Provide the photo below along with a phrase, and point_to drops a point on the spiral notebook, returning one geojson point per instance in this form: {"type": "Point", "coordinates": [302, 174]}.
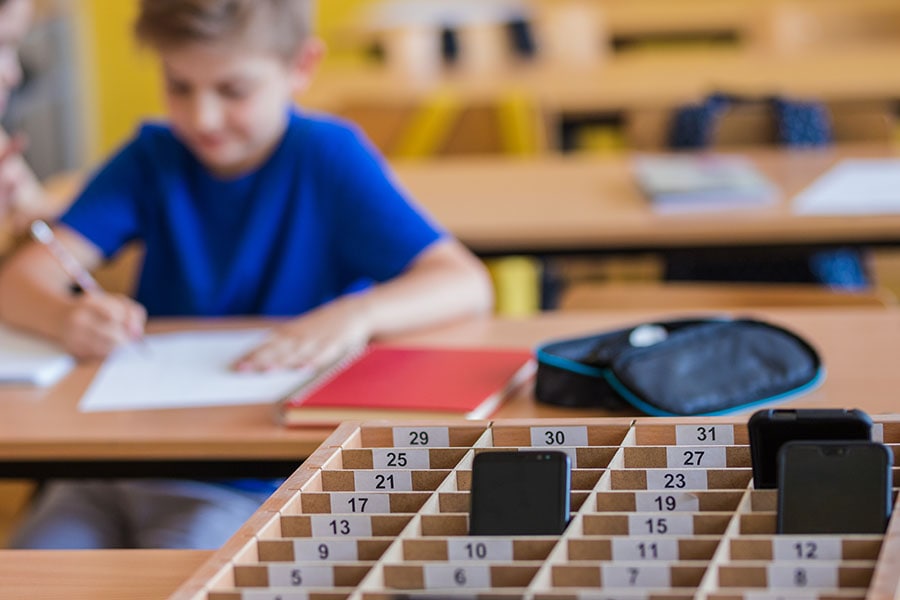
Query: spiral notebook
{"type": "Point", "coordinates": [390, 382]}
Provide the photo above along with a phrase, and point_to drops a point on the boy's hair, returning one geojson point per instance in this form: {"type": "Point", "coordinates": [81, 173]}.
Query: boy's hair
{"type": "Point", "coordinates": [277, 25]}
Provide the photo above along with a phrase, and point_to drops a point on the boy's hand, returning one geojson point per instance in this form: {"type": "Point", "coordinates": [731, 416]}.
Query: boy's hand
{"type": "Point", "coordinates": [98, 322]}
{"type": "Point", "coordinates": [315, 339]}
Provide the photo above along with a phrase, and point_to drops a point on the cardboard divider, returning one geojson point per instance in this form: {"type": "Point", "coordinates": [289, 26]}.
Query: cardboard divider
{"type": "Point", "coordinates": [381, 525]}
{"type": "Point", "coordinates": [658, 457]}
{"type": "Point", "coordinates": [691, 431]}
{"type": "Point", "coordinates": [591, 575]}
{"type": "Point", "coordinates": [435, 549]}
{"type": "Point", "coordinates": [342, 575]}
{"type": "Point", "coordinates": [668, 501]}
{"type": "Point", "coordinates": [337, 502]}
{"type": "Point", "coordinates": [458, 502]}
{"type": "Point", "coordinates": [282, 550]}
{"type": "Point", "coordinates": [459, 435]}
{"type": "Point", "coordinates": [345, 481]}
{"type": "Point", "coordinates": [518, 434]}
{"type": "Point", "coordinates": [715, 479]}
{"type": "Point", "coordinates": [700, 547]}
{"type": "Point", "coordinates": [365, 458]}
{"type": "Point", "coordinates": [758, 576]}
{"type": "Point", "coordinates": [618, 524]}
{"type": "Point", "coordinates": [413, 576]}
{"type": "Point", "coordinates": [709, 535]}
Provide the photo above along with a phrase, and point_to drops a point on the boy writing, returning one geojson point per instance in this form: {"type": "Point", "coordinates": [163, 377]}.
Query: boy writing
{"type": "Point", "coordinates": [245, 206]}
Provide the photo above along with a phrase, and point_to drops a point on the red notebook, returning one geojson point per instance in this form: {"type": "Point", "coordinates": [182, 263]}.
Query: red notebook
{"type": "Point", "coordinates": [387, 382]}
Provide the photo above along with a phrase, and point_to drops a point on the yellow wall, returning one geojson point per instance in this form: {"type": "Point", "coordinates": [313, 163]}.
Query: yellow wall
{"type": "Point", "coordinates": [126, 87]}
{"type": "Point", "coordinates": [125, 81]}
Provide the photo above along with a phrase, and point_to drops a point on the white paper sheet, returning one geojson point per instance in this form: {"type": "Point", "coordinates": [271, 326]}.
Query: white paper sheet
{"type": "Point", "coordinates": [854, 187]}
{"type": "Point", "coordinates": [30, 360]}
{"type": "Point", "coordinates": [186, 369]}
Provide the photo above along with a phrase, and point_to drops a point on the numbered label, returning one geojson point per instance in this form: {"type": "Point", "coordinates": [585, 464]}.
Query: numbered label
{"type": "Point", "coordinates": [650, 524]}
{"type": "Point", "coordinates": [780, 595]}
{"type": "Point", "coordinates": [293, 575]}
{"type": "Point", "coordinates": [617, 596]}
{"type": "Point", "coordinates": [263, 594]}
{"type": "Point", "coordinates": [628, 549]}
{"type": "Point", "coordinates": [401, 458]}
{"type": "Point", "coordinates": [463, 549]}
{"type": "Point", "coordinates": [353, 502]}
{"type": "Point", "coordinates": [704, 435]}
{"type": "Point", "coordinates": [418, 437]}
{"type": "Point", "coordinates": [332, 550]}
{"type": "Point", "coordinates": [452, 576]}
{"type": "Point", "coordinates": [698, 457]}
{"type": "Point", "coordinates": [687, 479]}
{"type": "Point", "coordinates": [341, 525]}
{"type": "Point", "coordinates": [641, 576]}
{"type": "Point", "coordinates": [803, 576]}
{"type": "Point", "coordinates": [666, 501]}
{"type": "Point", "coordinates": [804, 548]}
{"type": "Point", "coordinates": [549, 437]}
{"type": "Point", "coordinates": [387, 481]}
{"type": "Point", "coordinates": [878, 432]}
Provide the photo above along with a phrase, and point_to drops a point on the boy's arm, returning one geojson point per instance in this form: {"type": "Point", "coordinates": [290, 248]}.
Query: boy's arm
{"type": "Point", "coordinates": [35, 294]}
{"type": "Point", "coordinates": [443, 283]}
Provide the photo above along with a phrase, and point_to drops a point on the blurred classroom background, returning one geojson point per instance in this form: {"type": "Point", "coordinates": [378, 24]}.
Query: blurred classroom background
{"type": "Point", "coordinates": [429, 79]}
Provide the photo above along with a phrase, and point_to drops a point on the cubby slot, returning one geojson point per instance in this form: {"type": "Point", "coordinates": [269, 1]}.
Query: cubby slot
{"type": "Point", "coordinates": [655, 524]}
{"type": "Point", "coordinates": [363, 502]}
{"type": "Point", "coordinates": [300, 575]}
{"type": "Point", "coordinates": [342, 525]}
{"type": "Point", "coordinates": [804, 576]}
{"type": "Point", "coordinates": [668, 501]}
{"type": "Point", "coordinates": [805, 547]}
{"type": "Point", "coordinates": [550, 434]}
{"type": "Point", "coordinates": [627, 575]}
{"type": "Point", "coordinates": [421, 437]}
{"type": "Point", "coordinates": [679, 457]}
{"type": "Point", "coordinates": [605, 548]}
{"type": "Point", "coordinates": [296, 550]}
{"type": "Point", "coordinates": [387, 480]}
{"type": "Point", "coordinates": [465, 548]}
{"type": "Point", "coordinates": [458, 576]}
{"type": "Point", "coordinates": [679, 479]}
{"type": "Point", "coordinates": [690, 432]}
{"type": "Point", "coordinates": [401, 458]}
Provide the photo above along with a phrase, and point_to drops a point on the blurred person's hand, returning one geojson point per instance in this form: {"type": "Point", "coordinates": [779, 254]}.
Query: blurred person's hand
{"type": "Point", "coordinates": [14, 176]}
{"type": "Point", "coordinates": [315, 339]}
{"type": "Point", "coordinates": [98, 322]}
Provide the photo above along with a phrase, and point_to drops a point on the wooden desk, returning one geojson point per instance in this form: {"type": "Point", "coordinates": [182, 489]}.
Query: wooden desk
{"type": "Point", "coordinates": [96, 574]}
{"type": "Point", "coordinates": [43, 432]}
{"type": "Point", "coordinates": [576, 204]}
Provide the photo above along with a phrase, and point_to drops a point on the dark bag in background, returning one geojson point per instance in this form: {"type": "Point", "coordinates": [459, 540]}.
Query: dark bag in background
{"type": "Point", "coordinates": [680, 367]}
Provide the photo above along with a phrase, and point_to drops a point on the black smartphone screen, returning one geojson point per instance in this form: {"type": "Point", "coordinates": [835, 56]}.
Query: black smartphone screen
{"type": "Point", "coordinates": [519, 493]}
{"type": "Point", "coordinates": [770, 429]}
{"type": "Point", "coordinates": [834, 487]}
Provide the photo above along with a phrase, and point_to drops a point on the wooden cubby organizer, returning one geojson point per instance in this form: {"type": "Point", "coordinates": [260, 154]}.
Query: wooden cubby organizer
{"type": "Point", "coordinates": [662, 509]}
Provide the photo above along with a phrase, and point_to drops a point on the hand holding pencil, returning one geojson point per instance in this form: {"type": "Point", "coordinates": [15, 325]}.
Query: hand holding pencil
{"type": "Point", "coordinates": [96, 322]}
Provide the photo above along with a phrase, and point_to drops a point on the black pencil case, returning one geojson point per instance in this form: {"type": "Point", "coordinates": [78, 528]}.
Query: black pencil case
{"type": "Point", "coordinates": [680, 367]}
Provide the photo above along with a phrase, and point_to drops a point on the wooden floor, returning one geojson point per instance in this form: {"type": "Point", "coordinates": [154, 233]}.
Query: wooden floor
{"type": "Point", "coordinates": [14, 496]}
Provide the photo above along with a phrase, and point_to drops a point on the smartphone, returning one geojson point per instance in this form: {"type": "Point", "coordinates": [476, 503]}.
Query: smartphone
{"type": "Point", "coordinates": [770, 429]}
{"type": "Point", "coordinates": [834, 487]}
{"type": "Point", "coordinates": [520, 493]}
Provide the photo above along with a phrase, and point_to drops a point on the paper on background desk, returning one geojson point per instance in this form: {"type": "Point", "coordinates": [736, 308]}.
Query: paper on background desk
{"type": "Point", "coordinates": [186, 369]}
{"type": "Point", "coordinates": [854, 187]}
{"type": "Point", "coordinates": [29, 360]}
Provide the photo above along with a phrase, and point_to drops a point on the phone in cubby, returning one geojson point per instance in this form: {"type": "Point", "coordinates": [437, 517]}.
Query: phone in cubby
{"type": "Point", "coordinates": [834, 487]}
{"type": "Point", "coordinates": [520, 493]}
{"type": "Point", "coordinates": [772, 428]}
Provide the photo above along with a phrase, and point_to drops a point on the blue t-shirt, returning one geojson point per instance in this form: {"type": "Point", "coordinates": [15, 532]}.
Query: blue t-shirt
{"type": "Point", "coordinates": [320, 217]}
